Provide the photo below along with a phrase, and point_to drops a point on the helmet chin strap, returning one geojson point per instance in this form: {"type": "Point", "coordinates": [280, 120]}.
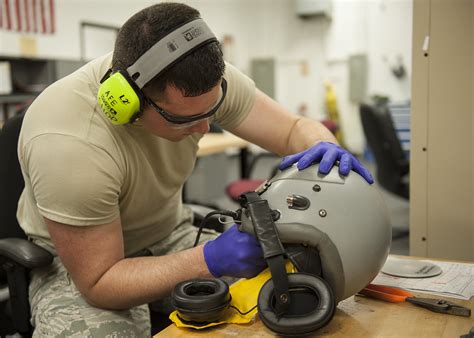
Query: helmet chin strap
{"type": "Point", "coordinates": [258, 210]}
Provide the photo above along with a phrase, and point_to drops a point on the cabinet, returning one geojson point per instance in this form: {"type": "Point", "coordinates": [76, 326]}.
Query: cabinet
{"type": "Point", "coordinates": [29, 77]}
{"type": "Point", "coordinates": [442, 148]}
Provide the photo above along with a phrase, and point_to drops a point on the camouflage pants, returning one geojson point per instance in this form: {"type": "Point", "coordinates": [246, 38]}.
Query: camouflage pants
{"type": "Point", "coordinates": [59, 310]}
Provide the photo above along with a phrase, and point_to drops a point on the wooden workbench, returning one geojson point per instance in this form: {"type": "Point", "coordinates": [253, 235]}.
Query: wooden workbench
{"type": "Point", "coordinates": [359, 316]}
{"type": "Point", "coordinates": [212, 143]}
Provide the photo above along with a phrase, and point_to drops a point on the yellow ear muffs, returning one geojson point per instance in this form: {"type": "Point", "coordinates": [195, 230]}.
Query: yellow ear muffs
{"type": "Point", "coordinates": [118, 99]}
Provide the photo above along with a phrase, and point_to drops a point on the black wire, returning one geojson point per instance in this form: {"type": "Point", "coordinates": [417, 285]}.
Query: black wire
{"type": "Point", "coordinates": [243, 313]}
{"type": "Point", "coordinates": [232, 214]}
{"type": "Point", "coordinates": [295, 263]}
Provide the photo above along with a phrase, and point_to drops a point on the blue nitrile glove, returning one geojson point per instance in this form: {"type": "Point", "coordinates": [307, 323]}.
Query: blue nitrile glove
{"type": "Point", "coordinates": [234, 253]}
{"type": "Point", "coordinates": [327, 154]}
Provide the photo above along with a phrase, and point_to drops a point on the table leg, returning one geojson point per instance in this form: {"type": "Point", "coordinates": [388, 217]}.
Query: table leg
{"type": "Point", "coordinates": [183, 193]}
{"type": "Point", "coordinates": [244, 169]}
{"type": "Point", "coordinates": [5, 112]}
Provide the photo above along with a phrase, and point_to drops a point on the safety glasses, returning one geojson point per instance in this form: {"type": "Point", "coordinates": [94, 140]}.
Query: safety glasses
{"type": "Point", "coordinates": [182, 121]}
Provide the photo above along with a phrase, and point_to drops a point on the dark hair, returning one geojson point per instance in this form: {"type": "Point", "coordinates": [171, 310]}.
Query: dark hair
{"type": "Point", "coordinates": [195, 74]}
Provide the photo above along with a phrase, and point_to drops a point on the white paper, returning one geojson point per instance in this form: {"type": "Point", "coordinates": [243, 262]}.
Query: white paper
{"type": "Point", "coordinates": [456, 280]}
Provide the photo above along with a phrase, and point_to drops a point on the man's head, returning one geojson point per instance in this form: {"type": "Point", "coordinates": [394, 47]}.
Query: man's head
{"type": "Point", "coordinates": [191, 86]}
{"type": "Point", "coordinates": [196, 74]}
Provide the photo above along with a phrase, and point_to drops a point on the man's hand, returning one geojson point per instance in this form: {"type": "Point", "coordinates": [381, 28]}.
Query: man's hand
{"type": "Point", "coordinates": [234, 253]}
{"type": "Point", "coordinates": [327, 154]}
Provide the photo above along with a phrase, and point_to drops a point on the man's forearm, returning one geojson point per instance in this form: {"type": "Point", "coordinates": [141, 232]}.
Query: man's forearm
{"type": "Point", "coordinates": [134, 281]}
{"type": "Point", "coordinates": [306, 133]}
{"type": "Point", "coordinates": [274, 128]}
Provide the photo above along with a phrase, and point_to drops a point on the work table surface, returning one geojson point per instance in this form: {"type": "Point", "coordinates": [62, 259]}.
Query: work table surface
{"type": "Point", "coordinates": [359, 316]}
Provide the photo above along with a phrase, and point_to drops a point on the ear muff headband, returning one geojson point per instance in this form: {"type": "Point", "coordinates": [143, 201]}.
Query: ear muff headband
{"type": "Point", "coordinates": [170, 49]}
{"type": "Point", "coordinates": [120, 95]}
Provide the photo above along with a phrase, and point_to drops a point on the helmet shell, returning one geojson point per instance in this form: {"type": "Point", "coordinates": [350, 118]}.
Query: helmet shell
{"type": "Point", "coordinates": [346, 220]}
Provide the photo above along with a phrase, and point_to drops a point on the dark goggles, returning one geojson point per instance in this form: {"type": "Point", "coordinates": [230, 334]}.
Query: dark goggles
{"type": "Point", "coordinates": [187, 119]}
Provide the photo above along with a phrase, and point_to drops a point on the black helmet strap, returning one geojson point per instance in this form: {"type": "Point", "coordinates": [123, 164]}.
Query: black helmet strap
{"type": "Point", "coordinates": [260, 214]}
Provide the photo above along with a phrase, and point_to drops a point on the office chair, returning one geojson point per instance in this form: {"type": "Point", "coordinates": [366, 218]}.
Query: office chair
{"type": "Point", "coordinates": [392, 166]}
{"type": "Point", "coordinates": [18, 256]}
{"type": "Point", "coordinates": [236, 188]}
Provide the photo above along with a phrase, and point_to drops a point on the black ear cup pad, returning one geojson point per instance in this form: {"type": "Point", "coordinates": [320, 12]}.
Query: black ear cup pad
{"type": "Point", "coordinates": [312, 305]}
{"type": "Point", "coordinates": [201, 300]}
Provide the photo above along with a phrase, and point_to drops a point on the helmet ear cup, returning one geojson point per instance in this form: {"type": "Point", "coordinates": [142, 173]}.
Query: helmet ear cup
{"type": "Point", "coordinates": [312, 305]}
{"type": "Point", "coordinates": [201, 300]}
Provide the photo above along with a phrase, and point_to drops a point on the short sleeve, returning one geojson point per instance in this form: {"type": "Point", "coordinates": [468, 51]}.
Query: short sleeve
{"type": "Point", "coordinates": [73, 181]}
{"type": "Point", "coordinates": [239, 100]}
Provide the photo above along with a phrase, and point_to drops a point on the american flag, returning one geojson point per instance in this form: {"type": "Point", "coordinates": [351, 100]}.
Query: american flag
{"type": "Point", "coordinates": [28, 16]}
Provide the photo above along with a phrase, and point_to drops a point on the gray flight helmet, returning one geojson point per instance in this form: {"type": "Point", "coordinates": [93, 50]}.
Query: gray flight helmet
{"type": "Point", "coordinates": [344, 218]}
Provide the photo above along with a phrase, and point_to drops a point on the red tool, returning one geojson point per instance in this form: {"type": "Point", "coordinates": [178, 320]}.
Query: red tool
{"type": "Point", "coordinates": [394, 295]}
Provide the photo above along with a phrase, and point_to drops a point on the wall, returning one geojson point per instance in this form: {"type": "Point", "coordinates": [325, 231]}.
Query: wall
{"type": "Point", "coordinates": [381, 30]}
{"type": "Point", "coordinates": [65, 43]}
{"type": "Point", "coordinates": [307, 52]}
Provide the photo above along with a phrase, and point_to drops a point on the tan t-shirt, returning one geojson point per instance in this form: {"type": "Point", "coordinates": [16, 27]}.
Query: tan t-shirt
{"type": "Point", "coordinates": [81, 170]}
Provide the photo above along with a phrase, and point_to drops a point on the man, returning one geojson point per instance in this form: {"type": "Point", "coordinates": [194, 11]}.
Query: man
{"type": "Point", "coordinates": [106, 199]}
